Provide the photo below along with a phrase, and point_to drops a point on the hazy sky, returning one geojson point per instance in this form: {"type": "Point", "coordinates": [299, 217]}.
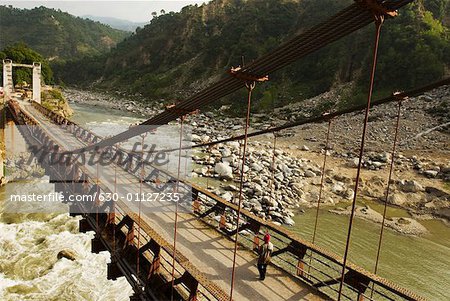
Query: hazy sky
{"type": "Point", "coordinates": [136, 11]}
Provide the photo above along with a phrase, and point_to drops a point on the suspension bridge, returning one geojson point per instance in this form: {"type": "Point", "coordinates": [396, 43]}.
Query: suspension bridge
{"type": "Point", "coordinates": [187, 253]}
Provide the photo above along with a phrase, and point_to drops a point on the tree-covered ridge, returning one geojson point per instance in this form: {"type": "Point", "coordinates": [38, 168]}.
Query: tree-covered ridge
{"type": "Point", "coordinates": [183, 52]}
{"type": "Point", "coordinates": [56, 34]}
{"type": "Point", "coordinates": [22, 54]}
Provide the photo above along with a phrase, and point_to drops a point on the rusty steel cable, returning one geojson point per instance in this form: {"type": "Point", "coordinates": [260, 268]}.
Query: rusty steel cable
{"type": "Point", "coordinates": [378, 24]}
{"type": "Point", "coordinates": [352, 17]}
{"type": "Point", "coordinates": [272, 186]}
{"type": "Point", "coordinates": [185, 165]}
{"type": "Point", "coordinates": [97, 200]}
{"type": "Point", "coordinates": [391, 169]}
{"type": "Point", "coordinates": [348, 20]}
{"type": "Point", "coordinates": [114, 210]}
{"type": "Point", "coordinates": [250, 87]}
{"type": "Point", "coordinates": [174, 253]}
{"type": "Point", "coordinates": [316, 221]}
{"type": "Point", "coordinates": [207, 173]}
{"type": "Point", "coordinates": [141, 180]}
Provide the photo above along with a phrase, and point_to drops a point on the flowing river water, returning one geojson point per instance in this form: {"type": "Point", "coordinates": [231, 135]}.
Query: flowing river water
{"type": "Point", "coordinates": [30, 270]}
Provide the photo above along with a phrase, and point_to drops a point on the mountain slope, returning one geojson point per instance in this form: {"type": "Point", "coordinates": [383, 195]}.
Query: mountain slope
{"type": "Point", "coordinates": [183, 52]}
{"type": "Point", "coordinates": [55, 34]}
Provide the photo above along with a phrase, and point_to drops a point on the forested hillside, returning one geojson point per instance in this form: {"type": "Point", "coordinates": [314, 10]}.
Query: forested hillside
{"type": "Point", "coordinates": [178, 53]}
{"type": "Point", "coordinates": [21, 54]}
{"type": "Point", "coordinates": [55, 34]}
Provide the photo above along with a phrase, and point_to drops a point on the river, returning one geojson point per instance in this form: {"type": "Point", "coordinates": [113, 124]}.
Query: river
{"type": "Point", "coordinates": [29, 269]}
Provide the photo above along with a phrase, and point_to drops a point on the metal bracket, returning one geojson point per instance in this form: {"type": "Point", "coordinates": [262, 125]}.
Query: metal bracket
{"type": "Point", "coordinates": [377, 9]}
{"type": "Point", "coordinates": [399, 96]}
{"type": "Point", "coordinates": [246, 76]}
{"type": "Point", "coordinates": [181, 111]}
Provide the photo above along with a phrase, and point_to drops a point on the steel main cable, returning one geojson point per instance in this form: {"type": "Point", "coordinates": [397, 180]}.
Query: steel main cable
{"type": "Point", "coordinates": [348, 20]}
{"type": "Point", "coordinates": [353, 10]}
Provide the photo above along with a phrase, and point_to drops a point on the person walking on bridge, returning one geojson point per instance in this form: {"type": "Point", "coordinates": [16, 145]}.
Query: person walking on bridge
{"type": "Point", "coordinates": [265, 251]}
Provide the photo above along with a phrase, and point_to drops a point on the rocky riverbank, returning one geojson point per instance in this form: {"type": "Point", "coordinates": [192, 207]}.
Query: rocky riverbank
{"type": "Point", "coordinates": [402, 225]}
{"type": "Point", "coordinates": [53, 99]}
{"type": "Point", "coordinates": [116, 100]}
{"type": "Point", "coordinates": [281, 181]}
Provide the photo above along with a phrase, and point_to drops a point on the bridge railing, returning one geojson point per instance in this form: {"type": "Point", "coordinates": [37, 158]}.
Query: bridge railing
{"type": "Point", "coordinates": [308, 262]}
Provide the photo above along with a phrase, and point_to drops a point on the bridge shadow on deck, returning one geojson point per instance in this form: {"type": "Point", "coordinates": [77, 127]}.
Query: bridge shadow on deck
{"type": "Point", "coordinates": [212, 253]}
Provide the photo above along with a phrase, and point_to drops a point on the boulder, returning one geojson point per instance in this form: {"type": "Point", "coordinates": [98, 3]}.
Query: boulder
{"type": "Point", "coordinates": [231, 187]}
{"type": "Point", "coordinates": [233, 144]}
{"type": "Point", "coordinates": [230, 159]}
{"type": "Point", "coordinates": [349, 194]}
{"type": "Point", "coordinates": [255, 205]}
{"type": "Point", "coordinates": [410, 186]}
{"type": "Point", "coordinates": [258, 190]}
{"type": "Point", "coordinates": [338, 188]}
{"type": "Point", "coordinates": [268, 201]}
{"type": "Point", "coordinates": [288, 221]}
{"type": "Point", "coordinates": [377, 164]}
{"type": "Point", "coordinates": [225, 152]}
{"type": "Point", "coordinates": [309, 174]}
{"type": "Point", "coordinates": [196, 138]}
{"type": "Point", "coordinates": [396, 199]}
{"type": "Point", "coordinates": [205, 138]}
{"type": "Point", "coordinates": [276, 214]}
{"type": "Point", "coordinates": [279, 176]}
{"type": "Point", "coordinates": [256, 167]}
{"type": "Point", "coordinates": [297, 188]}
{"type": "Point", "coordinates": [353, 163]}
{"type": "Point", "coordinates": [227, 196]}
{"type": "Point", "coordinates": [224, 170]}
{"type": "Point", "coordinates": [431, 173]}
{"type": "Point", "coordinates": [68, 254]}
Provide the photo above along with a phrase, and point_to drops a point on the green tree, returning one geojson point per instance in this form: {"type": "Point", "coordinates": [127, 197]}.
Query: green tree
{"type": "Point", "coordinates": [22, 54]}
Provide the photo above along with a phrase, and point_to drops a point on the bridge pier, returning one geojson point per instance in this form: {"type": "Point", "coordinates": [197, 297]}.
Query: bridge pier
{"type": "Point", "coordinates": [97, 245]}
{"type": "Point", "coordinates": [113, 270]}
{"type": "Point", "coordinates": [8, 85]}
{"type": "Point", "coordinates": [85, 226]}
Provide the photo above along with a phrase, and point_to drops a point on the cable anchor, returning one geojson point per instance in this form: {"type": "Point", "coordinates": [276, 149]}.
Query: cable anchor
{"type": "Point", "coordinates": [249, 78]}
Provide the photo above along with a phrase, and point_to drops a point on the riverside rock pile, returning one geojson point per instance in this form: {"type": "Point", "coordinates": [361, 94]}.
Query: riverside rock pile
{"type": "Point", "coordinates": [275, 193]}
{"type": "Point", "coordinates": [117, 100]}
{"type": "Point", "coordinates": [271, 189]}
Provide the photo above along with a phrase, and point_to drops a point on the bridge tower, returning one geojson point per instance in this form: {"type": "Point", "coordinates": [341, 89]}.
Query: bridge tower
{"type": "Point", "coordinates": [37, 82]}
{"type": "Point", "coordinates": [8, 85]}
{"type": "Point", "coordinates": [7, 78]}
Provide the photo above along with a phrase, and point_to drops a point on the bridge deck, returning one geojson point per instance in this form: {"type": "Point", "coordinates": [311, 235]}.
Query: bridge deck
{"type": "Point", "coordinates": [207, 249]}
